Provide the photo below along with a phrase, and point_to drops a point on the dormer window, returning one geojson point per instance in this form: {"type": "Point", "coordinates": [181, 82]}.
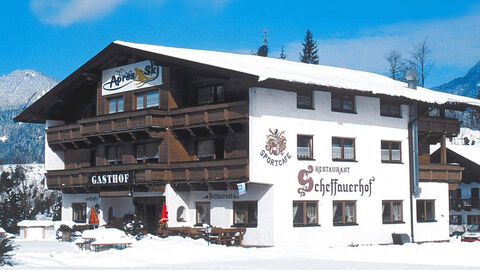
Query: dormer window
{"type": "Point", "coordinates": [211, 94]}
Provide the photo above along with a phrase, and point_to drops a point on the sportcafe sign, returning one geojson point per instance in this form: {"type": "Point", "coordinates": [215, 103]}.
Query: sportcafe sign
{"type": "Point", "coordinates": [111, 179]}
{"type": "Point", "coordinates": [275, 152]}
{"type": "Point", "coordinates": [131, 77]}
{"type": "Point", "coordinates": [334, 185]}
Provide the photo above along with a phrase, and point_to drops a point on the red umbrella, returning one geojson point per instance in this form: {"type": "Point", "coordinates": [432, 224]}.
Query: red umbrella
{"type": "Point", "coordinates": [164, 217]}
{"type": "Point", "coordinates": [93, 219]}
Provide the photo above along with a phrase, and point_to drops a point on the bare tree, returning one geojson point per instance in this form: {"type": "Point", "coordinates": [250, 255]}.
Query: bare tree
{"type": "Point", "coordinates": [422, 60]}
{"type": "Point", "coordinates": [395, 64]}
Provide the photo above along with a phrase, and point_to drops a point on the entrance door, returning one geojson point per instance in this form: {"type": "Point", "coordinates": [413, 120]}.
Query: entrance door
{"type": "Point", "coordinates": [149, 210]}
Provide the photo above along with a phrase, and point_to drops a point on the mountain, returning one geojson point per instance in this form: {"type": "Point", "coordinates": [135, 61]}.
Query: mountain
{"type": "Point", "coordinates": [21, 142]}
{"type": "Point", "coordinates": [467, 85]}
{"type": "Point", "coordinates": [464, 86]}
{"type": "Point", "coordinates": [20, 86]}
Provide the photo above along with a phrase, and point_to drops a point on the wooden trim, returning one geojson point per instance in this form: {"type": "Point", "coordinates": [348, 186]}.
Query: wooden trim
{"type": "Point", "coordinates": [392, 219]}
{"type": "Point", "coordinates": [305, 222]}
{"type": "Point", "coordinates": [343, 203]}
{"type": "Point", "coordinates": [246, 203]}
{"type": "Point", "coordinates": [390, 151]}
{"type": "Point", "coordinates": [342, 145]}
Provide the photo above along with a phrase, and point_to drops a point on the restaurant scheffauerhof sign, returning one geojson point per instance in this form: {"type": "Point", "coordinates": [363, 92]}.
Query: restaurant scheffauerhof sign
{"type": "Point", "coordinates": [131, 77]}
{"type": "Point", "coordinates": [275, 152]}
{"type": "Point", "coordinates": [111, 179]}
{"type": "Point", "coordinates": [334, 184]}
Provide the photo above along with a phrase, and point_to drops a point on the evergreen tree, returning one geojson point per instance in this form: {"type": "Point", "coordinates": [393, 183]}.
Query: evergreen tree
{"type": "Point", "coordinates": [6, 248]}
{"type": "Point", "coordinates": [282, 54]}
{"type": "Point", "coordinates": [21, 199]}
{"type": "Point", "coordinates": [309, 52]}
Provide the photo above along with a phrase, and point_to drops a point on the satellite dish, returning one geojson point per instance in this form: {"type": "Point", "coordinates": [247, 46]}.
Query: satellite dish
{"type": "Point", "coordinates": [263, 51]}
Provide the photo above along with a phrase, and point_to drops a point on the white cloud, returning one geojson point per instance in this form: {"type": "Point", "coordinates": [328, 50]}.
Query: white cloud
{"type": "Point", "coordinates": [455, 44]}
{"type": "Point", "coordinates": [67, 12]}
{"type": "Point", "coordinates": [61, 12]}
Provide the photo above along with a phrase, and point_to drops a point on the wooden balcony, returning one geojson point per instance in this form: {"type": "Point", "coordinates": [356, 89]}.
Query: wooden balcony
{"type": "Point", "coordinates": [144, 123]}
{"type": "Point", "coordinates": [182, 173]}
{"type": "Point", "coordinates": [438, 126]}
{"type": "Point", "coordinates": [207, 115]}
{"type": "Point", "coordinates": [435, 172]}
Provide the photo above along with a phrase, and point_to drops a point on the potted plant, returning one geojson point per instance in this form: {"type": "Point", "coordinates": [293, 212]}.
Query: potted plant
{"type": "Point", "coordinates": [66, 232]}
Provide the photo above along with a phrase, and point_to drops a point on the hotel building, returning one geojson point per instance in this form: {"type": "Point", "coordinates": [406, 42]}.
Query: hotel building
{"type": "Point", "coordinates": [329, 156]}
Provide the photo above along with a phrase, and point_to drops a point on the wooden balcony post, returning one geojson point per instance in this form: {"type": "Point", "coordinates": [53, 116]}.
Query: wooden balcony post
{"type": "Point", "coordinates": [443, 149]}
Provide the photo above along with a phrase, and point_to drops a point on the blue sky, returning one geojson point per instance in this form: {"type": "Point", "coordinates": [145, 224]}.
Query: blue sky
{"type": "Point", "coordinates": [55, 37]}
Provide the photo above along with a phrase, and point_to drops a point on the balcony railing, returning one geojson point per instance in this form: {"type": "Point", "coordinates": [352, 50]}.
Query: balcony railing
{"type": "Point", "coordinates": [83, 133]}
{"type": "Point", "coordinates": [144, 174]}
{"type": "Point", "coordinates": [435, 172]}
{"type": "Point", "coordinates": [209, 114]}
{"type": "Point", "coordinates": [448, 126]}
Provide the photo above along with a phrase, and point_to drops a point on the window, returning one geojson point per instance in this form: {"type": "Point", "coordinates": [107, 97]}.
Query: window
{"type": "Point", "coordinates": [391, 151]}
{"type": "Point", "coordinates": [245, 214]}
{"type": "Point", "coordinates": [432, 111]}
{"type": "Point", "coordinates": [211, 94]}
{"type": "Point", "coordinates": [344, 213]}
{"type": "Point", "coordinates": [305, 99]}
{"type": "Point", "coordinates": [425, 210]}
{"type": "Point", "coordinates": [147, 100]}
{"type": "Point", "coordinates": [473, 219]}
{"type": "Point", "coordinates": [203, 213]}
{"type": "Point", "coordinates": [305, 213]}
{"type": "Point", "coordinates": [206, 149]}
{"type": "Point", "coordinates": [114, 154]}
{"type": "Point", "coordinates": [343, 103]}
{"type": "Point", "coordinates": [93, 158]}
{"type": "Point", "coordinates": [79, 212]}
{"type": "Point", "coordinates": [456, 219]}
{"type": "Point", "coordinates": [147, 152]}
{"type": "Point", "coordinates": [304, 147]}
{"type": "Point", "coordinates": [181, 214]}
{"type": "Point", "coordinates": [390, 108]}
{"type": "Point", "coordinates": [392, 211]}
{"type": "Point", "coordinates": [343, 149]}
{"type": "Point", "coordinates": [115, 105]}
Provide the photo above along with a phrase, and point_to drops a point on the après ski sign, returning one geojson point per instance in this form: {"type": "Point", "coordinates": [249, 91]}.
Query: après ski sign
{"type": "Point", "coordinates": [131, 77]}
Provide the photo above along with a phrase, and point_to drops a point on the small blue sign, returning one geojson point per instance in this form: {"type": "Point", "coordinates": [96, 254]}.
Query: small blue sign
{"type": "Point", "coordinates": [242, 189]}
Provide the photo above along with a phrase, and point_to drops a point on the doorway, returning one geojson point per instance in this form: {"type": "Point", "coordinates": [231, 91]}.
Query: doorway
{"type": "Point", "coordinates": [149, 210]}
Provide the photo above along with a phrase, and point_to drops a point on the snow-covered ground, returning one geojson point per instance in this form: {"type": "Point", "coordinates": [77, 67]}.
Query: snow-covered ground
{"type": "Point", "coordinates": [179, 253]}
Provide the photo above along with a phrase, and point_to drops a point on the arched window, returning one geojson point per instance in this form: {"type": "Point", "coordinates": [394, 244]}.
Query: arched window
{"type": "Point", "coordinates": [181, 214]}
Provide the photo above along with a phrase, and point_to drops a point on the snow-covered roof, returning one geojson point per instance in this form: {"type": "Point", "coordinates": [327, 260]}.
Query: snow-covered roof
{"type": "Point", "coordinates": [35, 223]}
{"type": "Point", "coordinates": [271, 68]}
{"type": "Point", "coordinates": [469, 152]}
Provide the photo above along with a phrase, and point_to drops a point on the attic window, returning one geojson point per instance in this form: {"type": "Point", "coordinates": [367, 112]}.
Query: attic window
{"type": "Point", "coordinates": [305, 99]}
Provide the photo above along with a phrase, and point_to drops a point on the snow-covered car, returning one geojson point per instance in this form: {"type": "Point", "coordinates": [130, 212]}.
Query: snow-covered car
{"type": "Point", "coordinates": [472, 236]}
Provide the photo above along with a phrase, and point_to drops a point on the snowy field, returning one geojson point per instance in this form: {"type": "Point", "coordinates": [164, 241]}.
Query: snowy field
{"type": "Point", "coordinates": [179, 253]}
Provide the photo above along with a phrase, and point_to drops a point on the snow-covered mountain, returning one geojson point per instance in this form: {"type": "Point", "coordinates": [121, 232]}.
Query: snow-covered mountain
{"type": "Point", "coordinates": [467, 85]}
{"type": "Point", "coordinates": [464, 86]}
{"type": "Point", "coordinates": [21, 142]}
{"type": "Point", "coordinates": [21, 86]}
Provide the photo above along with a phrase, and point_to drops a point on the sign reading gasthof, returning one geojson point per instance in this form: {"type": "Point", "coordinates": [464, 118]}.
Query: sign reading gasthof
{"type": "Point", "coordinates": [131, 77]}
{"type": "Point", "coordinates": [109, 179]}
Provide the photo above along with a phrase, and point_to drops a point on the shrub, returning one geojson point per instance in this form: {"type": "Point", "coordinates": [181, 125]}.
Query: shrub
{"type": "Point", "coordinates": [6, 248]}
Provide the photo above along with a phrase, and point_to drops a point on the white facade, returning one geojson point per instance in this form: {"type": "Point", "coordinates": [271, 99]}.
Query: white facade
{"type": "Point", "coordinates": [275, 185]}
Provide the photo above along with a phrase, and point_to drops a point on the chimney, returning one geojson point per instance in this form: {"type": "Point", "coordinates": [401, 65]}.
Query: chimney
{"type": "Point", "coordinates": [412, 78]}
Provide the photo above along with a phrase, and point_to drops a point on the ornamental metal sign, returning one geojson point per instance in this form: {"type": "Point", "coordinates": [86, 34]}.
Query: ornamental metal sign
{"type": "Point", "coordinates": [111, 179]}
{"type": "Point", "coordinates": [131, 77]}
